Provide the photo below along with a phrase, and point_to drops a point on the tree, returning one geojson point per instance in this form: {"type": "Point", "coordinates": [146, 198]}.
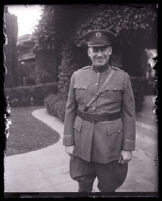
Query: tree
{"type": "Point", "coordinates": [64, 26]}
{"type": "Point", "coordinates": [13, 73]}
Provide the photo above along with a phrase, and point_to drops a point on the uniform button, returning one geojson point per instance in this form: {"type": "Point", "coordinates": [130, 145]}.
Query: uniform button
{"type": "Point", "coordinates": [96, 83]}
{"type": "Point", "coordinates": [98, 73]}
{"type": "Point", "coordinates": [119, 131]}
{"type": "Point", "coordinates": [93, 108]}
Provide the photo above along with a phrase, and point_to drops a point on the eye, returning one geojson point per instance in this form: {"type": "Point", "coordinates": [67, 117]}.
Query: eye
{"type": "Point", "coordinates": [104, 49]}
{"type": "Point", "coordinates": [95, 50]}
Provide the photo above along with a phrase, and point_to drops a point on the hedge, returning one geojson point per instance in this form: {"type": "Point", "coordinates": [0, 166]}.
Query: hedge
{"type": "Point", "coordinates": [29, 95]}
{"type": "Point", "coordinates": [55, 105]}
{"type": "Point", "coordinates": [139, 85]}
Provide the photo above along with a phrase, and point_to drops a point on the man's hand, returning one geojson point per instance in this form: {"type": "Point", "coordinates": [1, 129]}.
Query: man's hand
{"type": "Point", "coordinates": [125, 157]}
{"type": "Point", "coordinates": [69, 150]}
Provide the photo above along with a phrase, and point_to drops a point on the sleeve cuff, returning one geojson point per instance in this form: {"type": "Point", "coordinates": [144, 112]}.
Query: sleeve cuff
{"type": "Point", "coordinates": [68, 140]}
{"type": "Point", "coordinates": [129, 145]}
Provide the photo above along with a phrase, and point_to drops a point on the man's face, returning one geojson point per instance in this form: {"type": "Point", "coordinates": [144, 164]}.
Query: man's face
{"type": "Point", "coordinates": [99, 55]}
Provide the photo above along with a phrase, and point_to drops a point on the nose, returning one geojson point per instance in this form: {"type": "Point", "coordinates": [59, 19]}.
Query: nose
{"type": "Point", "coordinates": [99, 53]}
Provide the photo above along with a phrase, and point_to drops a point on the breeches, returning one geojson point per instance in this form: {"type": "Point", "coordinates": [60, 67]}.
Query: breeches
{"type": "Point", "coordinates": [110, 176]}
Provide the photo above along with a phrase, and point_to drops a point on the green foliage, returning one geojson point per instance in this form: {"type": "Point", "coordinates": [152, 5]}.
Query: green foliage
{"type": "Point", "coordinates": [60, 109]}
{"type": "Point", "coordinates": [71, 61]}
{"type": "Point", "coordinates": [49, 103]}
{"type": "Point", "coordinates": [29, 95]}
{"type": "Point", "coordinates": [139, 86]}
{"type": "Point", "coordinates": [63, 26]}
{"type": "Point", "coordinates": [123, 20]}
{"type": "Point", "coordinates": [44, 32]}
{"type": "Point", "coordinates": [27, 71]}
{"type": "Point", "coordinates": [12, 78]}
{"type": "Point", "coordinates": [44, 76]}
{"type": "Point", "coordinates": [44, 46]}
{"type": "Point", "coordinates": [55, 105]}
{"type": "Point", "coordinates": [63, 23]}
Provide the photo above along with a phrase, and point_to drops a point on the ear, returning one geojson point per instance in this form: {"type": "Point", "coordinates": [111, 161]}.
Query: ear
{"type": "Point", "coordinates": [88, 52]}
{"type": "Point", "coordinates": [110, 50]}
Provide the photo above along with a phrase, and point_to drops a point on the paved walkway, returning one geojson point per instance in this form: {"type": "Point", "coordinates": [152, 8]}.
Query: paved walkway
{"type": "Point", "coordinates": [47, 169]}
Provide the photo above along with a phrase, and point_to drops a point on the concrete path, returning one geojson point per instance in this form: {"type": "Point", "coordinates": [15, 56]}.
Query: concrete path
{"type": "Point", "coordinates": [47, 169]}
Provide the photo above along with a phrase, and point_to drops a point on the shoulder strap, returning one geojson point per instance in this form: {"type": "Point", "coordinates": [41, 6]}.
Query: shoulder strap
{"type": "Point", "coordinates": [99, 91]}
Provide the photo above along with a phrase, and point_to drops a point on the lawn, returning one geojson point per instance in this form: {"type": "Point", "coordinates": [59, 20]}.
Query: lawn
{"type": "Point", "coordinates": [27, 133]}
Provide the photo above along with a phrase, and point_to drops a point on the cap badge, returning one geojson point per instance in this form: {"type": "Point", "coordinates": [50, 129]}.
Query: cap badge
{"type": "Point", "coordinates": [98, 35]}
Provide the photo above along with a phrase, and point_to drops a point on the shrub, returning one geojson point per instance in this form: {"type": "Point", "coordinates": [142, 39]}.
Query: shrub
{"type": "Point", "coordinates": [55, 105]}
{"type": "Point", "coordinates": [30, 95]}
{"type": "Point", "coordinates": [49, 103]}
{"type": "Point", "coordinates": [138, 85]}
{"type": "Point", "coordinates": [60, 109]}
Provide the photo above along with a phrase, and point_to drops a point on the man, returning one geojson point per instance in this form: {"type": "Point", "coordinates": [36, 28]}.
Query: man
{"type": "Point", "coordinates": [99, 126]}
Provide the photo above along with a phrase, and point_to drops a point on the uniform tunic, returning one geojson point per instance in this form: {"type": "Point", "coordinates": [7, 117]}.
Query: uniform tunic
{"type": "Point", "coordinates": [100, 142]}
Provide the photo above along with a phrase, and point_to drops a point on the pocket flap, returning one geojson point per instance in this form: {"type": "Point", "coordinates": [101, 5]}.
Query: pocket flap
{"type": "Point", "coordinates": [113, 88]}
{"type": "Point", "coordinates": [78, 123]}
{"type": "Point", "coordinates": [114, 128]}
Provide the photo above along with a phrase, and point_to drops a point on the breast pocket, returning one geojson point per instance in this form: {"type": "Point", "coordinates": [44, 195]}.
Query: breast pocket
{"type": "Point", "coordinates": [80, 91]}
{"type": "Point", "coordinates": [114, 138]}
{"type": "Point", "coordinates": [113, 92]}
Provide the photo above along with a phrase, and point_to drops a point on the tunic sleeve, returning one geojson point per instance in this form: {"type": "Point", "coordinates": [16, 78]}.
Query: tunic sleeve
{"type": "Point", "coordinates": [70, 112]}
{"type": "Point", "coordinates": [128, 116]}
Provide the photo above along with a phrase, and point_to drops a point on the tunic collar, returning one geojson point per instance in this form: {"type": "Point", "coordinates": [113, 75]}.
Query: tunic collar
{"type": "Point", "coordinates": [102, 69]}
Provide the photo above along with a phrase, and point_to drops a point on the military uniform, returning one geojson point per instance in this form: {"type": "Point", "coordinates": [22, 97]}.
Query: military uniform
{"type": "Point", "coordinates": [99, 143]}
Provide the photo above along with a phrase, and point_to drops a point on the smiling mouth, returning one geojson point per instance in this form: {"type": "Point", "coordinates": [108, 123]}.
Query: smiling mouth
{"type": "Point", "coordinates": [100, 60]}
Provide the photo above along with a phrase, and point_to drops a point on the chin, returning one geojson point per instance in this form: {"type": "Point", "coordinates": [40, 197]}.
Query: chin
{"type": "Point", "coordinates": [100, 64]}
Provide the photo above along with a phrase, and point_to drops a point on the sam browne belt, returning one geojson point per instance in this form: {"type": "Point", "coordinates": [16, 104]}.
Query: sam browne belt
{"type": "Point", "coordinates": [98, 117]}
